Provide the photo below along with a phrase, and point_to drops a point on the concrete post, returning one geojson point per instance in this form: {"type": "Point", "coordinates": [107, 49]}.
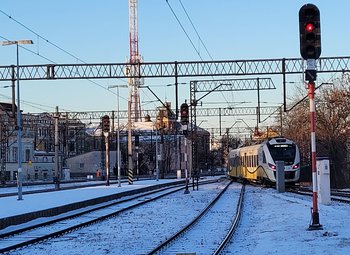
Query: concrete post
{"type": "Point", "coordinates": [280, 178]}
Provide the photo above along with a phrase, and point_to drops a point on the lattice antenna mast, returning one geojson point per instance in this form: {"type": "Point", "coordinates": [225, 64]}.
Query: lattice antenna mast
{"type": "Point", "coordinates": [135, 58]}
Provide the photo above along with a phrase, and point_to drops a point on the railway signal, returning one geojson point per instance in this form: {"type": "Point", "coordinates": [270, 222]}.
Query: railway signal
{"type": "Point", "coordinates": [184, 121]}
{"type": "Point", "coordinates": [105, 124]}
{"type": "Point", "coordinates": [184, 114]}
{"type": "Point", "coordinates": [310, 50]}
{"type": "Point", "coordinates": [310, 32]}
{"type": "Point", "coordinates": [105, 129]}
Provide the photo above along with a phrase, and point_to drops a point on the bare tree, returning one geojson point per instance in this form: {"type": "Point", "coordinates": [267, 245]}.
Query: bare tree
{"type": "Point", "coordinates": [332, 128]}
{"type": "Point", "coordinates": [333, 120]}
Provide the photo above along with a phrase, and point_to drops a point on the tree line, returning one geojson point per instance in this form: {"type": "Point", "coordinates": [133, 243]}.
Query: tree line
{"type": "Point", "coordinates": [332, 103]}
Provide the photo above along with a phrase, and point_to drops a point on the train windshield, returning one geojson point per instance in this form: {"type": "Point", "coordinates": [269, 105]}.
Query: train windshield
{"type": "Point", "coordinates": [283, 152]}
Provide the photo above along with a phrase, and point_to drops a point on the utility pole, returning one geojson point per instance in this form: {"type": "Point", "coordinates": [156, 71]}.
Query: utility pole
{"type": "Point", "coordinates": [161, 147]}
{"type": "Point", "coordinates": [130, 163]}
{"type": "Point", "coordinates": [157, 167]}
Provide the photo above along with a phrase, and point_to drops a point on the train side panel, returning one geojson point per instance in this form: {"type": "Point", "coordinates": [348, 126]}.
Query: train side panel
{"type": "Point", "coordinates": [244, 163]}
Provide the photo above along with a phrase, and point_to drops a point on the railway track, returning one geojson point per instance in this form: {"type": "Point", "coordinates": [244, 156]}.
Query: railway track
{"type": "Point", "coordinates": [40, 188]}
{"type": "Point", "coordinates": [206, 232]}
{"type": "Point", "coordinates": [336, 195]}
{"type": "Point", "coordinates": [66, 223]}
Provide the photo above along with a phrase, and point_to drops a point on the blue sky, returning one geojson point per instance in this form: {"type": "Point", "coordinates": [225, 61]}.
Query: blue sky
{"type": "Point", "coordinates": [97, 32]}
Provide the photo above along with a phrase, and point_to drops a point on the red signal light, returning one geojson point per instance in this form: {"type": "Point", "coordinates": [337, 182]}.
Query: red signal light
{"type": "Point", "coordinates": [309, 27]}
{"type": "Point", "coordinates": [184, 114]}
{"type": "Point", "coordinates": [310, 32]}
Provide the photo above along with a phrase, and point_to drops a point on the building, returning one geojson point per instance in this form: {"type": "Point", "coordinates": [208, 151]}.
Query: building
{"type": "Point", "coordinates": [38, 145]}
{"type": "Point", "coordinates": [83, 152]}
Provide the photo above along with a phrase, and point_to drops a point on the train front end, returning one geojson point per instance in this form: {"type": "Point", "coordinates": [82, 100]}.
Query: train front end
{"type": "Point", "coordinates": [282, 149]}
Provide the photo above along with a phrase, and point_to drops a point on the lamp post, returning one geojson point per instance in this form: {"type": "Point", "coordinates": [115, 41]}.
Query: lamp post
{"type": "Point", "coordinates": [176, 95]}
{"type": "Point", "coordinates": [247, 127]}
{"type": "Point", "coordinates": [157, 166]}
{"type": "Point", "coordinates": [118, 135]}
{"type": "Point", "coordinates": [19, 126]}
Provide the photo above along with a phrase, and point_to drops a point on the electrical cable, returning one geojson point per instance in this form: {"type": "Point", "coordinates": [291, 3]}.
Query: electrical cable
{"type": "Point", "coordinates": [41, 37]}
{"type": "Point", "coordinates": [190, 38]}
{"type": "Point", "coordinates": [51, 43]}
{"type": "Point", "coordinates": [199, 37]}
{"type": "Point", "coordinates": [35, 105]}
{"type": "Point", "coordinates": [184, 30]}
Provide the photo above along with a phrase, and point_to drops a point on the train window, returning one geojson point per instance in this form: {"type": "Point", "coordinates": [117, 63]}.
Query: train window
{"type": "Point", "coordinates": [256, 160]}
{"type": "Point", "coordinates": [234, 161]}
{"type": "Point", "coordinates": [264, 157]}
{"type": "Point", "coordinates": [283, 152]}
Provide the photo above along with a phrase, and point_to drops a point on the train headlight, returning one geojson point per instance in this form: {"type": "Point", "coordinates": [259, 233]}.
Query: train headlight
{"type": "Point", "coordinates": [296, 166]}
{"type": "Point", "coordinates": [273, 167]}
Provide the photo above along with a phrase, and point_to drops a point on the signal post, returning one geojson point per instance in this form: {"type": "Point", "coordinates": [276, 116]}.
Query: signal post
{"type": "Point", "coordinates": [184, 123]}
{"type": "Point", "coordinates": [105, 130]}
{"type": "Point", "coordinates": [310, 50]}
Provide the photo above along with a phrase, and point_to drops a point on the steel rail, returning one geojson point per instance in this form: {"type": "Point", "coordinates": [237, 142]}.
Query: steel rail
{"type": "Point", "coordinates": [234, 225]}
{"type": "Point", "coordinates": [174, 237]}
{"type": "Point", "coordinates": [24, 241]}
{"type": "Point", "coordinates": [335, 196]}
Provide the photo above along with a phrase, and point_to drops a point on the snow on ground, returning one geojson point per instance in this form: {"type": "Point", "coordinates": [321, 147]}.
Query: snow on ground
{"type": "Point", "coordinates": [26, 187]}
{"type": "Point", "coordinates": [277, 223]}
{"type": "Point", "coordinates": [272, 223]}
{"type": "Point", "coordinates": [41, 201]}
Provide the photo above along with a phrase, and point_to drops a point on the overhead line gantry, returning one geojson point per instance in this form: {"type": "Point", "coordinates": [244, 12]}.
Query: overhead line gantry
{"type": "Point", "coordinates": [281, 66]}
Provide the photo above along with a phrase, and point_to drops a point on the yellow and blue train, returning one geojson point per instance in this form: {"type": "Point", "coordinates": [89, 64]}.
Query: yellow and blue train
{"type": "Point", "coordinates": [257, 163]}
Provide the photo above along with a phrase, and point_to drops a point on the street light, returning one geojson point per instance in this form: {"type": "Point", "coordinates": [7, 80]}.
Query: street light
{"type": "Point", "coordinates": [176, 96]}
{"type": "Point", "coordinates": [19, 126]}
{"type": "Point", "coordinates": [246, 125]}
{"type": "Point", "coordinates": [157, 166]}
{"type": "Point", "coordinates": [118, 136]}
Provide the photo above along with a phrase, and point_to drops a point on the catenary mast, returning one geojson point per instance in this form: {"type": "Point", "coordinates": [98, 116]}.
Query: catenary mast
{"type": "Point", "coordinates": [135, 58]}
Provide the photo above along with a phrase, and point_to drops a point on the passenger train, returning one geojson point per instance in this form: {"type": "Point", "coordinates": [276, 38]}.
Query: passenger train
{"type": "Point", "coordinates": [257, 163]}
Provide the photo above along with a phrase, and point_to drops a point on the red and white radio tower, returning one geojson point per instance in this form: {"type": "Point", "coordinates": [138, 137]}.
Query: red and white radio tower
{"type": "Point", "coordinates": [135, 59]}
